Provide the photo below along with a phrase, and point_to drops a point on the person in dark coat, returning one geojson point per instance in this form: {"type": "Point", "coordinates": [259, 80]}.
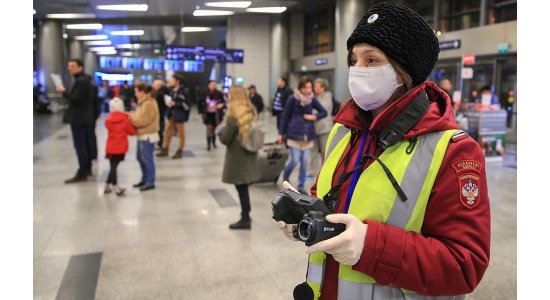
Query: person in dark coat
{"type": "Point", "coordinates": [161, 90]}
{"type": "Point", "coordinates": [298, 128]}
{"type": "Point", "coordinates": [178, 113]}
{"type": "Point", "coordinates": [256, 99]}
{"type": "Point", "coordinates": [211, 106]}
{"type": "Point", "coordinates": [127, 95]}
{"type": "Point", "coordinates": [240, 167]}
{"type": "Point", "coordinates": [279, 100]}
{"type": "Point", "coordinates": [80, 116]}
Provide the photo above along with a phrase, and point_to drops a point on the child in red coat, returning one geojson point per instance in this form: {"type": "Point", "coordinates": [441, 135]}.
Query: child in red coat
{"type": "Point", "coordinates": [118, 127]}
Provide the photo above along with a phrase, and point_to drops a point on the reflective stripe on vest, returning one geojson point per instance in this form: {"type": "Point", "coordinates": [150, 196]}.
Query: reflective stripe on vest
{"type": "Point", "coordinates": [375, 198]}
{"type": "Point", "coordinates": [354, 291]}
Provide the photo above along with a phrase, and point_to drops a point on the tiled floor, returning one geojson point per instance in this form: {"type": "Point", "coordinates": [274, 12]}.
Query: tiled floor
{"type": "Point", "coordinates": [173, 242]}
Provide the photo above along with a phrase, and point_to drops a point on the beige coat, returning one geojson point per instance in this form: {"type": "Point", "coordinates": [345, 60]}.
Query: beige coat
{"type": "Point", "coordinates": [146, 118]}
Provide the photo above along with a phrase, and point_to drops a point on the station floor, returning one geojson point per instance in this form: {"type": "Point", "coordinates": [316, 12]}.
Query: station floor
{"type": "Point", "coordinates": [173, 242]}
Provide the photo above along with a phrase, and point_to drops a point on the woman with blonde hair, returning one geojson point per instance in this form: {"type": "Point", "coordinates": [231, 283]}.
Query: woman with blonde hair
{"type": "Point", "coordinates": [241, 166]}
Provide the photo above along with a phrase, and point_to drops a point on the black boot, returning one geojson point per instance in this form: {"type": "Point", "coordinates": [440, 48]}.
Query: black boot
{"type": "Point", "coordinates": [208, 142]}
{"type": "Point", "coordinates": [243, 223]}
{"type": "Point", "coordinates": [214, 141]}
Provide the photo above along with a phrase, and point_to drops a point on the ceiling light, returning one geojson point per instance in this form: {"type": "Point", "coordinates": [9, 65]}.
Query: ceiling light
{"type": "Point", "coordinates": [91, 37]}
{"type": "Point", "coordinates": [128, 32]}
{"type": "Point", "coordinates": [438, 33]}
{"type": "Point", "coordinates": [84, 26]}
{"type": "Point", "coordinates": [108, 52]}
{"type": "Point", "coordinates": [268, 10]}
{"type": "Point", "coordinates": [232, 4]}
{"type": "Point", "coordinates": [98, 43]}
{"type": "Point", "coordinates": [65, 35]}
{"type": "Point", "coordinates": [195, 29]}
{"type": "Point", "coordinates": [101, 49]}
{"type": "Point", "coordinates": [128, 46]}
{"type": "Point", "coordinates": [126, 7]}
{"type": "Point", "coordinates": [70, 16]}
{"type": "Point", "coordinates": [203, 13]}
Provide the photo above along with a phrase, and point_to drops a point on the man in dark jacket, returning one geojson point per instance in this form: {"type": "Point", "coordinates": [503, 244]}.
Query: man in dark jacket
{"type": "Point", "coordinates": [256, 98]}
{"type": "Point", "coordinates": [279, 100]}
{"type": "Point", "coordinates": [80, 116]}
{"type": "Point", "coordinates": [161, 91]}
{"type": "Point", "coordinates": [178, 114]}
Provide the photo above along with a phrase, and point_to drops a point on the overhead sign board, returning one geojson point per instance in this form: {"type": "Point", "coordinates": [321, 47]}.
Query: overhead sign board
{"type": "Point", "coordinates": [449, 45]}
{"type": "Point", "coordinates": [321, 61]}
{"type": "Point", "coordinates": [176, 52]}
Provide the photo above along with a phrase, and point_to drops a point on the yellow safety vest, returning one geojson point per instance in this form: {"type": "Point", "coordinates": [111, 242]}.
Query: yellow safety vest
{"type": "Point", "coordinates": [374, 198]}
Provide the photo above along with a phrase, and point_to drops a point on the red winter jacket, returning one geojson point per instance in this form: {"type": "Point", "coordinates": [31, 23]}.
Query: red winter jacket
{"type": "Point", "coordinates": [119, 127]}
{"type": "Point", "coordinates": [451, 254]}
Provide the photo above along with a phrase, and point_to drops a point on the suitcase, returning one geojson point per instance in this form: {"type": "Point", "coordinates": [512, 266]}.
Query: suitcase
{"type": "Point", "coordinates": [272, 159]}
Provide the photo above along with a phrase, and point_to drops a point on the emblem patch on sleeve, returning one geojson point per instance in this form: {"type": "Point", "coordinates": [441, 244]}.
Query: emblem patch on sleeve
{"type": "Point", "coordinates": [469, 189]}
{"type": "Point", "coordinates": [464, 165]}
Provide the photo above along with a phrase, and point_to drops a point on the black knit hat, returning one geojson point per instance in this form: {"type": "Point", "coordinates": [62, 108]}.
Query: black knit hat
{"type": "Point", "coordinates": [402, 35]}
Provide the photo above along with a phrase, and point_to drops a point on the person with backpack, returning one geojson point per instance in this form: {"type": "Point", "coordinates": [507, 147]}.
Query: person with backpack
{"type": "Point", "coordinates": [241, 167]}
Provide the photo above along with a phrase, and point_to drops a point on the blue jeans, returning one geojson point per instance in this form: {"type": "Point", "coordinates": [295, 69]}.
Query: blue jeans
{"type": "Point", "coordinates": [146, 161]}
{"type": "Point", "coordinates": [297, 156]}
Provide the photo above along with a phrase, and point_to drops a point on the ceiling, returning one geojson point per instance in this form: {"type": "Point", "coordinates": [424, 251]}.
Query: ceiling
{"type": "Point", "coordinates": [163, 20]}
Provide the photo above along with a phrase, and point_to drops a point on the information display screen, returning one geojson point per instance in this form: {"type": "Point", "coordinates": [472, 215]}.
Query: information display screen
{"type": "Point", "coordinates": [151, 64]}
{"type": "Point", "coordinates": [205, 54]}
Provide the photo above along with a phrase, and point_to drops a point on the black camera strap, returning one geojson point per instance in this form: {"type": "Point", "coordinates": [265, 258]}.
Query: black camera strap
{"type": "Point", "coordinates": [388, 137]}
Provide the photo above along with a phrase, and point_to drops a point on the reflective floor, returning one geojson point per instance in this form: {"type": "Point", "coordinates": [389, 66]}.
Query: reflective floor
{"type": "Point", "coordinates": [173, 242]}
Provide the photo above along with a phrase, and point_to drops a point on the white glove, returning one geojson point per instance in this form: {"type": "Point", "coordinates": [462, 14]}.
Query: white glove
{"type": "Point", "coordinates": [287, 228]}
{"type": "Point", "coordinates": [346, 248]}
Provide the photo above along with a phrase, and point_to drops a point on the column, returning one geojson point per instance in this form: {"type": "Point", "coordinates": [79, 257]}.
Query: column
{"type": "Point", "coordinates": [90, 63]}
{"type": "Point", "coordinates": [348, 14]}
{"type": "Point", "coordinates": [279, 51]}
{"type": "Point", "coordinates": [50, 53]}
{"type": "Point", "coordinates": [76, 50]}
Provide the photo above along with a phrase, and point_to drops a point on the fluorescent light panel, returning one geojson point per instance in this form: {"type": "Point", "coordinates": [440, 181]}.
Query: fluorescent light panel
{"type": "Point", "coordinates": [101, 49]}
{"type": "Point", "coordinates": [84, 26]}
{"type": "Point", "coordinates": [91, 37]}
{"type": "Point", "coordinates": [128, 32]}
{"type": "Point", "coordinates": [204, 13]}
{"type": "Point", "coordinates": [195, 29]}
{"type": "Point", "coordinates": [268, 10]}
{"type": "Point", "coordinates": [128, 46]}
{"type": "Point", "coordinates": [108, 52]}
{"type": "Point", "coordinates": [70, 16]}
{"type": "Point", "coordinates": [232, 4]}
{"type": "Point", "coordinates": [126, 53]}
{"type": "Point", "coordinates": [98, 43]}
{"type": "Point", "coordinates": [125, 7]}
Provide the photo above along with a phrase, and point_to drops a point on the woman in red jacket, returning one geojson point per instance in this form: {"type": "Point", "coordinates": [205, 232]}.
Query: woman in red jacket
{"type": "Point", "coordinates": [409, 186]}
{"type": "Point", "coordinates": [119, 127]}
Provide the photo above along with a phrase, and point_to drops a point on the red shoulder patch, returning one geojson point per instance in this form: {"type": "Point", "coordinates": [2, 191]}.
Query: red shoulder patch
{"type": "Point", "coordinates": [469, 190]}
{"type": "Point", "coordinates": [467, 165]}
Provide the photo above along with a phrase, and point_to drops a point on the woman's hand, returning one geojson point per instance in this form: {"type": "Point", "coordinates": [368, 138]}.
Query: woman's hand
{"type": "Point", "coordinates": [219, 106]}
{"type": "Point", "coordinates": [280, 139]}
{"type": "Point", "coordinates": [310, 117]}
{"type": "Point", "coordinates": [347, 247]}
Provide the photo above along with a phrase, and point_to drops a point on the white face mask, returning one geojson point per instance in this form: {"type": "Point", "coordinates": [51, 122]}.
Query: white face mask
{"type": "Point", "coordinates": [372, 87]}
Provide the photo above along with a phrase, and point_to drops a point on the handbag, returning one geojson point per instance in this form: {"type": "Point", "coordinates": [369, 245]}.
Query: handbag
{"type": "Point", "coordinates": [256, 137]}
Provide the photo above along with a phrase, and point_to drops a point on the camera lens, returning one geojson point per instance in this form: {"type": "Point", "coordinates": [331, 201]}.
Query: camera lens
{"type": "Point", "coordinates": [305, 230]}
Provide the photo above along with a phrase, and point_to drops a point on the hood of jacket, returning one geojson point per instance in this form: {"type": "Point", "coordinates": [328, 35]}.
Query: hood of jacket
{"type": "Point", "coordinates": [440, 115]}
{"type": "Point", "coordinates": [117, 117]}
